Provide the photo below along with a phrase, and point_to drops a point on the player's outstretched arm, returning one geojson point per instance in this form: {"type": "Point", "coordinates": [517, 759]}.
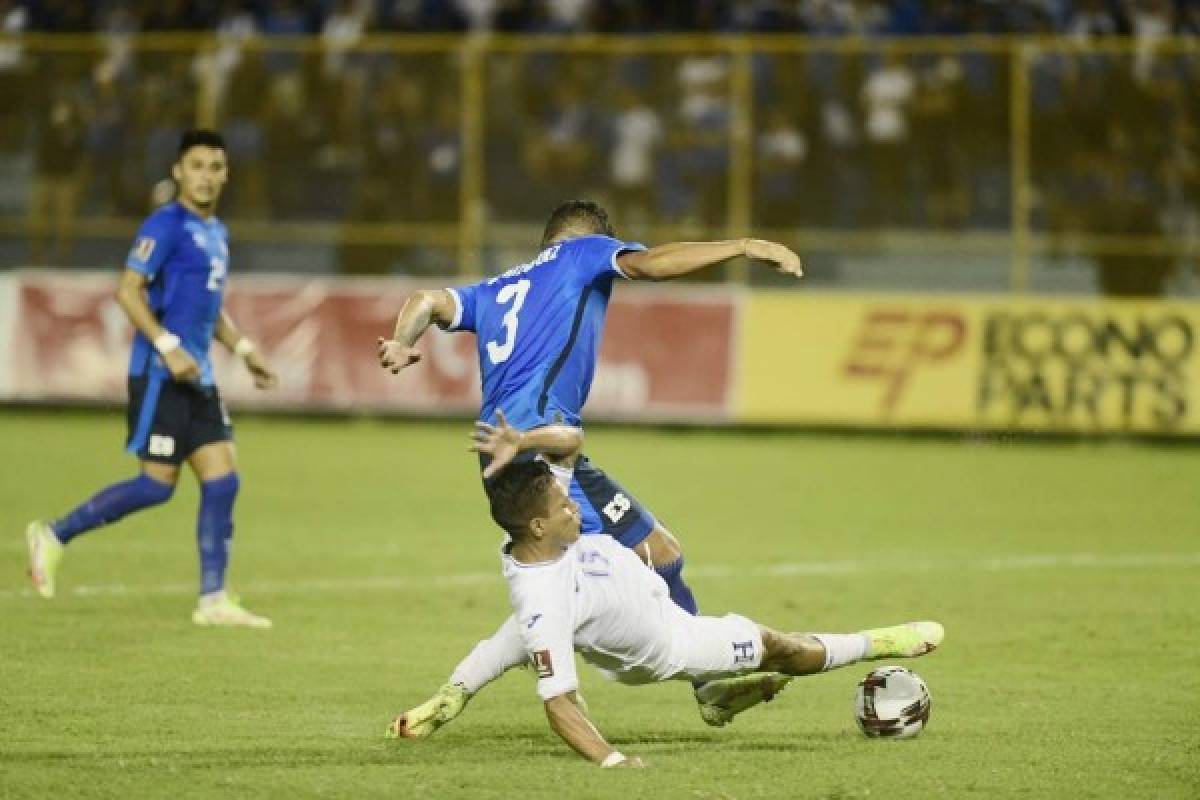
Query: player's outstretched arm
{"type": "Point", "coordinates": [560, 443]}
{"type": "Point", "coordinates": [423, 308]}
{"type": "Point", "coordinates": [569, 722]}
{"type": "Point", "coordinates": [682, 258]}
{"type": "Point", "coordinates": [131, 297]}
{"type": "Point", "coordinates": [228, 334]}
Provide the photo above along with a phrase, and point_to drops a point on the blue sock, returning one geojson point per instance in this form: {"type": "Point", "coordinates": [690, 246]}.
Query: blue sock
{"type": "Point", "coordinates": [214, 530]}
{"type": "Point", "coordinates": [682, 595]}
{"type": "Point", "coordinates": [110, 504]}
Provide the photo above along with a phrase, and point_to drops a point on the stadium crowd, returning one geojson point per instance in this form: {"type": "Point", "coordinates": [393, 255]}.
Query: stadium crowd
{"type": "Point", "coordinates": [821, 17]}
{"type": "Point", "coordinates": [876, 138]}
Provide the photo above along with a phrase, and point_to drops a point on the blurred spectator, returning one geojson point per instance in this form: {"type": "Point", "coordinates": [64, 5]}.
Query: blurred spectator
{"type": "Point", "coordinates": [292, 138]}
{"type": "Point", "coordinates": [440, 146]}
{"type": "Point", "coordinates": [14, 74]}
{"type": "Point", "coordinates": [837, 161]}
{"type": "Point", "coordinates": [58, 165]}
{"type": "Point", "coordinates": [821, 17]}
{"type": "Point", "coordinates": [780, 152]}
{"type": "Point", "coordinates": [886, 97]}
{"type": "Point", "coordinates": [1093, 18]}
{"type": "Point", "coordinates": [699, 140]}
{"type": "Point", "coordinates": [636, 137]}
{"type": "Point", "coordinates": [842, 17]}
{"type": "Point", "coordinates": [562, 151]}
{"type": "Point", "coordinates": [342, 78]}
{"type": "Point", "coordinates": [566, 16]}
{"type": "Point", "coordinates": [940, 148]}
{"type": "Point", "coordinates": [108, 128]}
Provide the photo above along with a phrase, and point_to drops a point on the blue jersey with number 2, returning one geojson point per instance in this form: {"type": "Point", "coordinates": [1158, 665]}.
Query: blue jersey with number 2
{"type": "Point", "coordinates": [538, 328]}
{"type": "Point", "coordinates": [185, 259]}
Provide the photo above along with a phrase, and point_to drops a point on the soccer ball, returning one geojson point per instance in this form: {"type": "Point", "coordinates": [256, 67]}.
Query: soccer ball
{"type": "Point", "coordinates": [892, 703]}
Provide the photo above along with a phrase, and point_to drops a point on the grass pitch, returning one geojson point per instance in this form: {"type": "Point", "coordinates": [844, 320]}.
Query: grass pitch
{"type": "Point", "coordinates": [1067, 575]}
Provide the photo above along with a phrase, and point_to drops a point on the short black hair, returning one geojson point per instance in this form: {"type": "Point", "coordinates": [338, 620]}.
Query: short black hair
{"type": "Point", "coordinates": [517, 494]}
{"type": "Point", "coordinates": [200, 137]}
{"type": "Point", "coordinates": [581, 215]}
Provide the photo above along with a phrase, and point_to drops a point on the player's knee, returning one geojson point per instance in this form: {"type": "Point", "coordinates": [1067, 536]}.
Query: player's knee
{"type": "Point", "coordinates": [663, 547]}
{"type": "Point", "coordinates": [153, 492]}
{"type": "Point", "coordinates": [223, 488]}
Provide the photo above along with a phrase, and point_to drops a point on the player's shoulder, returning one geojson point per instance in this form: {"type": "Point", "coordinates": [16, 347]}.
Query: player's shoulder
{"type": "Point", "coordinates": [166, 217]}
{"type": "Point", "coordinates": [590, 243]}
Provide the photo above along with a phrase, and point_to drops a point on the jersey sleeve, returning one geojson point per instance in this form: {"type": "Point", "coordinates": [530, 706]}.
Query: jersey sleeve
{"type": "Point", "coordinates": [549, 641]}
{"type": "Point", "coordinates": [597, 256]}
{"type": "Point", "coordinates": [464, 307]}
{"type": "Point", "coordinates": [153, 245]}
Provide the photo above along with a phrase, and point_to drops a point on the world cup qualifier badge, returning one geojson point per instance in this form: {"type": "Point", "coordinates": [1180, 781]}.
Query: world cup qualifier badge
{"type": "Point", "coordinates": [144, 248]}
{"type": "Point", "coordinates": [543, 664]}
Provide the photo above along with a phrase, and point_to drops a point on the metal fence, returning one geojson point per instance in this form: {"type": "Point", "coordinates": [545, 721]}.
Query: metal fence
{"type": "Point", "coordinates": [966, 163]}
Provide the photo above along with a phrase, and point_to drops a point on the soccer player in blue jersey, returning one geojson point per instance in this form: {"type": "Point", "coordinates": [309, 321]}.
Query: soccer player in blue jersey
{"type": "Point", "coordinates": [171, 290]}
{"type": "Point", "coordinates": [538, 329]}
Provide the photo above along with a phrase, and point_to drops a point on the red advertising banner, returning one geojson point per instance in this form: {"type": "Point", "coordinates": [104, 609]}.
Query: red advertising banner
{"type": "Point", "coordinates": [667, 355]}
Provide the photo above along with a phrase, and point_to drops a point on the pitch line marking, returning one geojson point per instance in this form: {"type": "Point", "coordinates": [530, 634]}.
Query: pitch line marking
{"type": "Point", "coordinates": [1009, 563]}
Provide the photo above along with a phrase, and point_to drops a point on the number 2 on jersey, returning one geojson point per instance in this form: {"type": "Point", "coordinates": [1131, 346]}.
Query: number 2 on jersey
{"type": "Point", "coordinates": [217, 269]}
{"type": "Point", "coordinates": [499, 352]}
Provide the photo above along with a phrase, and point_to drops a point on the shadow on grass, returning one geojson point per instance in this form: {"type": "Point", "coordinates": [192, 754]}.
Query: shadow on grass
{"type": "Point", "coordinates": [501, 744]}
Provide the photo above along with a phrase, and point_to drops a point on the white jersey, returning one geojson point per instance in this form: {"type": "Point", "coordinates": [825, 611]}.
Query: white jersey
{"type": "Point", "coordinates": [598, 599]}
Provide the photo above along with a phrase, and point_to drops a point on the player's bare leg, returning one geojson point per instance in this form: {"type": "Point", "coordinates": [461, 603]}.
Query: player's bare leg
{"type": "Point", "coordinates": [809, 653]}
{"type": "Point", "coordinates": [215, 466]}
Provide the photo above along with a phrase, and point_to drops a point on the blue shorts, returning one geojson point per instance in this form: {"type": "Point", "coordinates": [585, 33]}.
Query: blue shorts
{"type": "Point", "coordinates": [168, 421]}
{"type": "Point", "coordinates": [607, 507]}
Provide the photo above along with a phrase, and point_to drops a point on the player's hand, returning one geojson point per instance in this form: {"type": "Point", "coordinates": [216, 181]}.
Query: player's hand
{"type": "Point", "coordinates": [395, 356]}
{"type": "Point", "coordinates": [182, 366]}
{"type": "Point", "coordinates": [782, 258]}
{"type": "Point", "coordinates": [264, 376]}
{"type": "Point", "coordinates": [500, 441]}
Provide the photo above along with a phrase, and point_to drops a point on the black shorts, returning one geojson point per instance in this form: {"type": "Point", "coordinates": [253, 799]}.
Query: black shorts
{"type": "Point", "coordinates": [168, 421]}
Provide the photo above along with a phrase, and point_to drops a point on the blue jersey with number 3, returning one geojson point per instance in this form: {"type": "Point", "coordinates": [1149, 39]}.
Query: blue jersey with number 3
{"type": "Point", "coordinates": [538, 328]}
{"type": "Point", "coordinates": [185, 259]}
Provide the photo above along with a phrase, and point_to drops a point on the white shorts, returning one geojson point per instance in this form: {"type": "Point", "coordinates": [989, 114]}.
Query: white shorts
{"type": "Point", "coordinates": [717, 647]}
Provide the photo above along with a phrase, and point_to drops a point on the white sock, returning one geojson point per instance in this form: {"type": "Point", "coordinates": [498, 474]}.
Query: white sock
{"type": "Point", "coordinates": [491, 658]}
{"type": "Point", "coordinates": [212, 597]}
{"type": "Point", "coordinates": [842, 648]}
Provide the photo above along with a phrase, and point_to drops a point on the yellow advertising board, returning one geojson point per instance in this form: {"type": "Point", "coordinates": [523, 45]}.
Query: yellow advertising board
{"type": "Point", "coordinates": [945, 361]}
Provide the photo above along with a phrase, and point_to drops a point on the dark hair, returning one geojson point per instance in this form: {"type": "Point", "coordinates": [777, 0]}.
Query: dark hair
{"type": "Point", "coordinates": [517, 494]}
{"type": "Point", "coordinates": [200, 137]}
{"type": "Point", "coordinates": [582, 216]}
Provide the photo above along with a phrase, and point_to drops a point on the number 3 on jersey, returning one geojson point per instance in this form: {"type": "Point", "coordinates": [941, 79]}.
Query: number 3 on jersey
{"type": "Point", "coordinates": [499, 352]}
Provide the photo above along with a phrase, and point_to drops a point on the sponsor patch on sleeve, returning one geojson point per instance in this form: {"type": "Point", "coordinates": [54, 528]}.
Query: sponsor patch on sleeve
{"type": "Point", "coordinates": [543, 663]}
{"type": "Point", "coordinates": [144, 248]}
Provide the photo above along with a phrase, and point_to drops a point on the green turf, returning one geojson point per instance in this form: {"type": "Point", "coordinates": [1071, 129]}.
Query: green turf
{"type": "Point", "coordinates": [1076, 675]}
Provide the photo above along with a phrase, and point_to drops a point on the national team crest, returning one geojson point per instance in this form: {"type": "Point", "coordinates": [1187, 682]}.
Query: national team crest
{"type": "Point", "coordinates": [743, 652]}
{"type": "Point", "coordinates": [543, 664]}
{"type": "Point", "coordinates": [144, 248]}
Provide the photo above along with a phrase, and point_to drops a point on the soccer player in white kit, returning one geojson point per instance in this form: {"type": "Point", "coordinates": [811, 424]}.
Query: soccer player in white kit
{"type": "Point", "coordinates": [591, 595]}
